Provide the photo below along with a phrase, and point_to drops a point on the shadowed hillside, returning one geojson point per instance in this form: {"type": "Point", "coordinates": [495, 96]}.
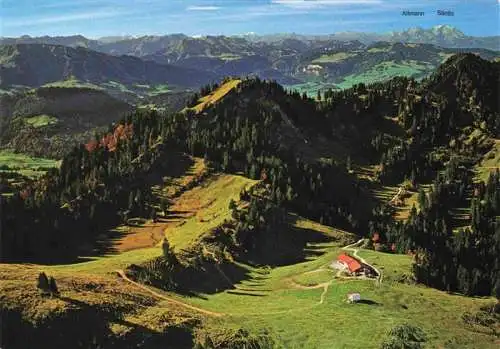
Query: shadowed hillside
{"type": "Point", "coordinates": [49, 121]}
{"type": "Point", "coordinates": [21, 66]}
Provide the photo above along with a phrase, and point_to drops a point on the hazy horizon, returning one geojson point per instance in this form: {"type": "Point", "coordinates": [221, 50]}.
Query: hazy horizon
{"type": "Point", "coordinates": [102, 18]}
{"type": "Point", "coordinates": [230, 35]}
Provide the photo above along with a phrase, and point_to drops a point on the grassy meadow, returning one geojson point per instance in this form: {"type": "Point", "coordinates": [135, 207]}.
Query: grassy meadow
{"type": "Point", "coordinates": [386, 71]}
{"type": "Point", "coordinates": [24, 164]}
{"type": "Point", "coordinates": [41, 120]}
{"type": "Point", "coordinates": [73, 83]}
{"type": "Point", "coordinates": [304, 305]}
{"type": "Point", "coordinates": [192, 214]}
{"type": "Point", "coordinates": [319, 317]}
{"type": "Point", "coordinates": [334, 58]}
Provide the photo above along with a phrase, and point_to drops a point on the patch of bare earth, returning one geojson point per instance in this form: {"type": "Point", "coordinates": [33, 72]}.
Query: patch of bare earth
{"type": "Point", "coordinates": [184, 204]}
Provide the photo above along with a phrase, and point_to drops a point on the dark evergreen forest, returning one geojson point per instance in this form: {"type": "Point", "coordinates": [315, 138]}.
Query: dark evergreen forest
{"type": "Point", "coordinates": [265, 132]}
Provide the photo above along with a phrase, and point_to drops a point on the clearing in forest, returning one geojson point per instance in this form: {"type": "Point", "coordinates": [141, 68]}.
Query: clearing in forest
{"type": "Point", "coordinates": [490, 162]}
{"type": "Point", "coordinates": [193, 213]}
{"type": "Point", "coordinates": [291, 300]}
{"type": "Point", "coordinates": [203, 208]}
{"type": "Point", "coordinates": [24, 164]}
{"type": "Point", "coordinates": [150, 233]}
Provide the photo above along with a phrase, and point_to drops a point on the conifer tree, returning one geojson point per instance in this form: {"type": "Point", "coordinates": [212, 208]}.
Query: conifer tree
{"type": "Point", "coordinates": [422, 199]}
{"type": "Point", "coordinates": [164, 206]}
{"type": "Point", "coordinates": [43, 283]}
{"type": "Point", "coordinates": [168, 253]}
{"type": "Point", "coordinates": [53, 286]}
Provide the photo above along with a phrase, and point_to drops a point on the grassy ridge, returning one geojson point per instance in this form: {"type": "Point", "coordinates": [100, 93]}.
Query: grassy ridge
{"type": "Point", "coordinates": [209, 207]}
{"type": "Point", "coordinates": [73, 83]}
{"type": "Point", "coordinates": [216, 95]}
{"type": "Point", "coordinates": [334, 58]}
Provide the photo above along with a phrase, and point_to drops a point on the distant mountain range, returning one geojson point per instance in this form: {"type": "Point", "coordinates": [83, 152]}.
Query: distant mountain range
{"type": "Point", "coordinates": [441, 35]}
{"type": "Point", "coordinates": [39, 64]}
{"type": "Point", "coordinates": [179, 61]}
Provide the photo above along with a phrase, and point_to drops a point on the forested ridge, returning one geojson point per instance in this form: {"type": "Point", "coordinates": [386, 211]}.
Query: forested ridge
{"type": "Point", "coordinates": [106, 175]}
{"type": "Point", "coordinates": [261, 130]}
{"type": "Point", "coordinates": [463, 92]}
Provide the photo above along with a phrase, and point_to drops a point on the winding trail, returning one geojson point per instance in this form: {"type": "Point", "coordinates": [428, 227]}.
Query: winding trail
{"type": "Point", "coordinates": [221, 272]}
{"type": "Point", "coordinates": [325, 286]}
{"type": "Point", "coordinates": [122, 274]}
{"type": "Point", "coordinates": [355, 254]}
{"type": "Point", "coordinates": [290, 123]}
{"type": "Point", "coordinates": [396, 196]}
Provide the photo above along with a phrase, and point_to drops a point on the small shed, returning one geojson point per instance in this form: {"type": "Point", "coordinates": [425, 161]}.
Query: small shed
{"type": "Point", "coordinates": [353, 297]}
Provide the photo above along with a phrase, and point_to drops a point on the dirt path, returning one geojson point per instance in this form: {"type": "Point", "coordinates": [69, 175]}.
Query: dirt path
{"type": "Point", "coordinates": [221, 272]}
{"type": "Point", "coordinates": [355, 254]}
{"type": "Point", "coordinates": [290, 123]}
{"type": "Point", "coordinates": [325, 290]}
{"type": "Point", "coordinates": [323, 285]}
{"type": "Point", "coordinates": [396, 196]}
{"type": "Point", "coordinates": [121, 273]}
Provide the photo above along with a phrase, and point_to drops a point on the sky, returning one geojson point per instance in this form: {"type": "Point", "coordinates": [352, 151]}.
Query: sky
{"type": "Point", "coordinates": [98, 18]}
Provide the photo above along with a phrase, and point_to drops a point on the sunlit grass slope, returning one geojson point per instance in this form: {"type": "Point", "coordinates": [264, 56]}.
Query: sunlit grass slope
{"type": "Point", "coordinates": [209, 207]}
{"type": "Point", "coordinates": [303, 305]}
{"type": "Point", "coordinates": [301, 312]}
{"type": "Point", "coordinates": [201, 208]}
{"type": "Point", "coordinates": [216, 95]}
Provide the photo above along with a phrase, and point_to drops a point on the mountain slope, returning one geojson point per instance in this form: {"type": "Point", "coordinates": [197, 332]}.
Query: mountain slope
{"type": "Point", "coordinates": [250, 263]}
{"type": "Point", "coordinates": [445, 36]}
{"type": "Point", "coordinates": [379, 61]}
{"type": "Point", "coordinates": [49, 121]}
{"type": "Point", "coordinates": [38, 64]}
{"type": "Point", "coordinates": [288, 59]}
{"type": "Point", "coordinates": [473, 84]}
{"type": "Point", "coordinates": [440, 35]}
